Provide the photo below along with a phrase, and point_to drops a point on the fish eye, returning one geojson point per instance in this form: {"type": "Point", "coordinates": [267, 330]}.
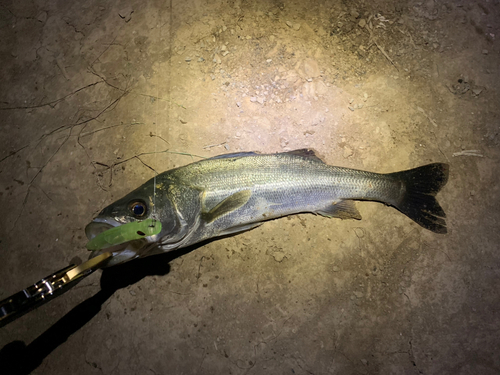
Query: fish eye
{"type": "Point", "coordinates": [138, 208]}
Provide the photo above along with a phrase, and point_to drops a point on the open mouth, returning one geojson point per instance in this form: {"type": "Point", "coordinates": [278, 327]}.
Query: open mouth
{"type": "Point", "coordinates": [122, 252]}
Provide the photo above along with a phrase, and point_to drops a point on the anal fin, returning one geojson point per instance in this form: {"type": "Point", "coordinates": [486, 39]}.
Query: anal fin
{"type": "Point", "coordinates": [342, 210]}
{"type": "Point", "coordinates": [238, 229]}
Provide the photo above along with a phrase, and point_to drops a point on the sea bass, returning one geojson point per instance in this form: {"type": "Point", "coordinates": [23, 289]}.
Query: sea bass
{"type": "Point", "coordinates": [232, 193]}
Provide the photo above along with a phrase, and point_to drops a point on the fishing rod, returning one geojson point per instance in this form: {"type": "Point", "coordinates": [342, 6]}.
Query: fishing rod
{"type": "Point", "coordinates": [59, 282]}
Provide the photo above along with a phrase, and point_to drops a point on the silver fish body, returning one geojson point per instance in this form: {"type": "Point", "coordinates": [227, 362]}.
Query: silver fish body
{"type": "Point", "coordinates": [236, 192]}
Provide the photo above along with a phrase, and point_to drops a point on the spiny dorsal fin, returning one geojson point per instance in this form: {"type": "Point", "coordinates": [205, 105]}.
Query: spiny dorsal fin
{"type": "Point", "coordinates": [306, 153]}
{"type": "Point", "coordinates": [234, 155]}
{"type": "Point", "coordinates": [342, 210]}
{"type": "Point", "coordinates": [231, 203]}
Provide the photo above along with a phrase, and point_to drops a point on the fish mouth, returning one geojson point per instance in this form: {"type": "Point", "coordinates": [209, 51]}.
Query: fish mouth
{"type": "Point", "coordinates": [122, 252]}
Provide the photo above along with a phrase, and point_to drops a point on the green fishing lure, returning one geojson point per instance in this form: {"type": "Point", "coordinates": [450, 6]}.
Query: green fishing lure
{"type": "Point", "coordinates": [124, 233]}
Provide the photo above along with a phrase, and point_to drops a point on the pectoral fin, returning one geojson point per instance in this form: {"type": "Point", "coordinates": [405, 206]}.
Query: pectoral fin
{"type": "Point", "coordinates": [231, 203]}
{"type": "Point", "coordinates": [341, 210]}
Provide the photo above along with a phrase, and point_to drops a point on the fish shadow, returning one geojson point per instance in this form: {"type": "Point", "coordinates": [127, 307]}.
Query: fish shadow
{"type": "Point", "coordinates": [17, 358]}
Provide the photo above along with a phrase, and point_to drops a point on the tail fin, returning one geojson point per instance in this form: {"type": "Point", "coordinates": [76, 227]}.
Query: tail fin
{"type": "Point", "coordinates": [420, 187]}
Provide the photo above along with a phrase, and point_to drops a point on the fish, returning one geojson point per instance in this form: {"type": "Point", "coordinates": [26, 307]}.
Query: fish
{"type": "Point", "coordinates": [233, 193]}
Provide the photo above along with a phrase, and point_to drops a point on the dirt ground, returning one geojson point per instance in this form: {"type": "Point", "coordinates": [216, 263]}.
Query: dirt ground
{"type": "Point", "coordinates": [96, 94]}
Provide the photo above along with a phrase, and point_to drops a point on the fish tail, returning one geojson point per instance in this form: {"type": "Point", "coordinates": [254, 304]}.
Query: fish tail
{"type": "Point", "coordinates": [419, 188]}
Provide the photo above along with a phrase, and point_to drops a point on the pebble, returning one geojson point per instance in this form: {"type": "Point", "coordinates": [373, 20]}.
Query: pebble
{"type": "Point", "coordinates": [321, 31]}
{"type": "Point", "coordinates": [201, 59]}
{"type": "Point", "coordinates": [295, 26]}
{"type": "Point", "coordinates": [347, 152]}
{"type": "Point", "coordinates": [238, 104]}
{"type": "Point", "coordinates": [358, 294]}
{"type": "Point", "coordinates": [217, 59]}
{"type": "Point", "coordinates": [42, 17]}
{"type": "Point", "coordinates": [224, 53]}
{"type": "Point", "coordinates": [336, 269]}
{"type": "Point", "coordinates": [485, 51]}
{"type": "Point", "coordinates": [261, 100]}
{"type": "Point", "coordinates": [362, 23]}
{"type": "Point", "coordinates": [126, 13]}
{"type": "Point", "coordinates": [311, 68]}
{"type": "Point", "coordinates": [187, 59]}
{"type": "Point", "coordinates": [253, 99]}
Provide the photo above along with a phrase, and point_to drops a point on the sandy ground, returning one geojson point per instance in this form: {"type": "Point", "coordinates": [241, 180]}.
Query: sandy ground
{"type": "Point", "coordinates": [96, 93]}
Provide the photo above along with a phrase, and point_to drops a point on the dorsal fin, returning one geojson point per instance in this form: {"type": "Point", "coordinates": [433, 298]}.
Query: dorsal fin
{"type": "Point", "coordinates": [306, 153]}
{"type": "Point", "coordinates": [234, 155]}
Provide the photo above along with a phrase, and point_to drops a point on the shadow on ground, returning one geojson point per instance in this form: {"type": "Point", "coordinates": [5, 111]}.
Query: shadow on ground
{"type": "Point", "coordinates": [18, 358]}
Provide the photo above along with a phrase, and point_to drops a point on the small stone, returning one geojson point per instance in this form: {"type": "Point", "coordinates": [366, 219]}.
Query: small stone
{"type": "Point", "coordinates": [351, 108]}
{"type": "Point", "coordinates": [364, 361]}
{"type": "Point", "coordinates": [223, 48]}
{"type": "Point", "coordinates": [253, 99]}
{"type": "Point", "coordinates": [347, 152]}
{"type": "Point", "coordinates": [269, 60]}
{"type": "Point", "coordinates": [42, 17]}
{"type": "Point", "coordinates": [336, 269]}
{"type": "Point", "coordinates": [485, 51]}
{"type": "Point", "coordinates": [212, 76]}
{"type": "Point", "coordinates": [187, 59]}
{"type": "Point", "coordinates": [477, 91]}
{"type": "Point", "coordinates": [261, 100]}
{"type": "Point", "coordinates": [217, 59]}
{"type": "Point", "coordinates": [201, 59]}
{"type": "Point", "coordinates": [358, 294]}
{"type": "Point", "coordinates": [248, 37]}
{"type": "Point", "coordinates": [238, 104]}
{"type": "Point", "coordinates": [311, 68]}
{"type": "Point", "coordinates": [132, 293]}
{"type": "Point", "coordinates": [362, 23]}
{"type": "Point", "coordinates": [278, 256]}
{"type": "Point", "coordinates": [224, 28]}
{"type": "Point", "coordinates": [296, 26]}
{"type": "Point", "coordinates": [224, 53]}
{"type": "Point", "coordinates": [354, 13]}
{"type": "Point", "coordinates": [126, 13]}
{"type": "Point", "coordinates": [182, 120]}
{"type": "Point", "coordinates": [289, 24]}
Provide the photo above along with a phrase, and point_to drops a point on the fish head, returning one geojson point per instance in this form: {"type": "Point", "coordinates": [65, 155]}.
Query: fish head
{"type": "Point", "coordinates": [138, 205]}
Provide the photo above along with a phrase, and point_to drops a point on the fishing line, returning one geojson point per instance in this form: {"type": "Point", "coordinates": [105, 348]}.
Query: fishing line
{"type": "Point", "coordinates": [156, 124]}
